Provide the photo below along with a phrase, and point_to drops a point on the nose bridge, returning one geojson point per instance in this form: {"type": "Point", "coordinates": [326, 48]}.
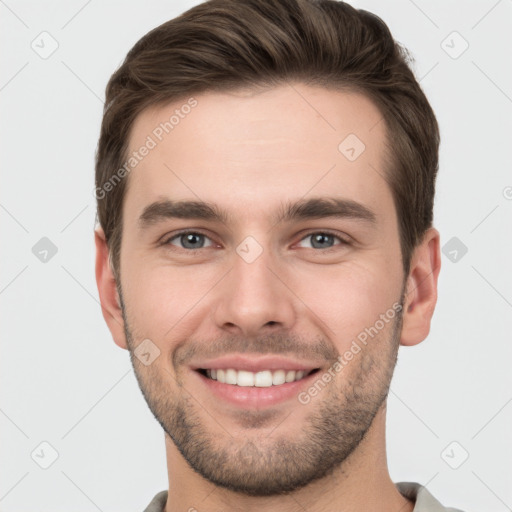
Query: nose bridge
{"type": "Point", "coordinates": [252, 296]}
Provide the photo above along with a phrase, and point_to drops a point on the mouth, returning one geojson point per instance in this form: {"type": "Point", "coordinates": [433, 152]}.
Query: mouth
{"type": "Point", "coordinates": [253, 390]}
{"type": "Point", "coordinates": [261, 379]}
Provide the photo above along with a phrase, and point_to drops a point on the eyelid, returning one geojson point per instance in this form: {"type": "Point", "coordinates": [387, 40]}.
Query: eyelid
{"type": "Point", "coordinates": [345, 239]}
{"type": "Point", "coordinates": [166, 239]}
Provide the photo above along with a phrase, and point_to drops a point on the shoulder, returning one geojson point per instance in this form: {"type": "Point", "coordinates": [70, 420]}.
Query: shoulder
{"type": "Point", "coordinates": [157, 503]}
{"type": "Point", "coordinates": [424, 500]}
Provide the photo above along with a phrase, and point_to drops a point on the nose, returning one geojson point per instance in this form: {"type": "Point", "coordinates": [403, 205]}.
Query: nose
{"type": "Point", "coordinates": [254, 299]}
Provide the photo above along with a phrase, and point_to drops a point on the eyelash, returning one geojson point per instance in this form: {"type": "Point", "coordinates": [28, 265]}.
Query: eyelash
{"type": "Point", "coordinates": [343, 241]}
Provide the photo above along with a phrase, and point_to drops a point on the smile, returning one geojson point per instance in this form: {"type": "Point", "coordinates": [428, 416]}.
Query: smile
{"type": "Point", "coordinates": [261, 379]}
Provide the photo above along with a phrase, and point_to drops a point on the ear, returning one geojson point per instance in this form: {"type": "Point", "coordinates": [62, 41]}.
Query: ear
{"type": "Point", "coordinates": [109, 297]}
{"type": "Point", "coordinates": [421, 291]}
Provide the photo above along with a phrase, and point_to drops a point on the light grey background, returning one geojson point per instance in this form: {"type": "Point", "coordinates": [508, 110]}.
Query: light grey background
{"type": "Point", "coordinates": [64, 382]}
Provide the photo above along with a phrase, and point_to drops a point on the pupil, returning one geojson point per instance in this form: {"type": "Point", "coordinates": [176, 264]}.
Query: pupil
{"type": "Point", "coordinates": [191, 240]}
{"type": "Point", "coordinates": [322, 239]}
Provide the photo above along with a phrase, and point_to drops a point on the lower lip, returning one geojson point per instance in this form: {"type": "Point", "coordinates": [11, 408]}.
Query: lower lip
{"type": "Point", "coordinates": [255, 397]}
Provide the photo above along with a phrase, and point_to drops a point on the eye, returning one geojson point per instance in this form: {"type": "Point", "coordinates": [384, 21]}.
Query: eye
{"type": "Point", "coordinates": [323, 240]}
{"type": "Point", "coordinates": [189, 240]}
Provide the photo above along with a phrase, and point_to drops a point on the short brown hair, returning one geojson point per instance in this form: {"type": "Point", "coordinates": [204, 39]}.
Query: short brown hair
{"type": "Point", "coordinates": [227, 44]}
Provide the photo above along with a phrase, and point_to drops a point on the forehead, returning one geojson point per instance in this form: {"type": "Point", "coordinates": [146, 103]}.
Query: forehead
{"type": "Point", "coordinates": [249, 150]}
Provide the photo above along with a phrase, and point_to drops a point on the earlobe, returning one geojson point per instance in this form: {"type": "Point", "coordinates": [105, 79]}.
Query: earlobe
{"type": "Point", "coordinates": [107, 289]}
{"type": "Point", "coordinates": [421, 291]}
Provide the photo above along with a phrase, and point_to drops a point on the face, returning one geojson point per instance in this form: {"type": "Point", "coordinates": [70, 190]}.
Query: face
{"type": "Point", "coordinates": [257, 237]}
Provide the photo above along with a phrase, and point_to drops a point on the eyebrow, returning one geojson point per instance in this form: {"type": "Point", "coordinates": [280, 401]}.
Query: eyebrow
{"type": "Point", "coordinates": [315, 208]}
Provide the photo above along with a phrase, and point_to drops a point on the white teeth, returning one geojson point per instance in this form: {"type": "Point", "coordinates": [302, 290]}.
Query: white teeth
{"type": "Point", "coordinates": [263, 379]}
{"type": "Point", "coordinates": [230, 376]}
{"type": "Point", "coordinates": [245, 378]}
{"type": "Point", "coordinates": [278, 378]}
{"type": "Point", "coordinates": [290, 376]}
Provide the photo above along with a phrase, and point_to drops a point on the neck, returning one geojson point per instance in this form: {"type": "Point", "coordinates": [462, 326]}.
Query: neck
{"type": "Point", "coordinates": [362, 483]}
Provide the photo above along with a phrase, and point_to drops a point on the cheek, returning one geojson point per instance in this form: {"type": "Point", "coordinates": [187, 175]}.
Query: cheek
{"type": "Point", "coordinates": [348, 299]}
{"type": "Point", "coordinates": [162, 300]}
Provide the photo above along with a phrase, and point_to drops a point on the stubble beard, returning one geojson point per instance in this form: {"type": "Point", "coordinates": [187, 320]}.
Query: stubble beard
{"type": "Point", "coordinates": [280, 462]}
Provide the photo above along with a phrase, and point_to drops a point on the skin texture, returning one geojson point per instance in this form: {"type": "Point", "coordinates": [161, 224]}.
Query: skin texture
{"type": "Point", "coordinates": [249, 152]}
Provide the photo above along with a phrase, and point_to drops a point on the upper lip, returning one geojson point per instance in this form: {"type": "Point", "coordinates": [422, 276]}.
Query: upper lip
{"type": "Point", "coordinates": [251, 364]}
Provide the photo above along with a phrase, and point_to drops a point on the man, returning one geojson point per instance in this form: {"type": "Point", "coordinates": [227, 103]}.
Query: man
{"type": "Point", "coordinates": [265, 181]}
